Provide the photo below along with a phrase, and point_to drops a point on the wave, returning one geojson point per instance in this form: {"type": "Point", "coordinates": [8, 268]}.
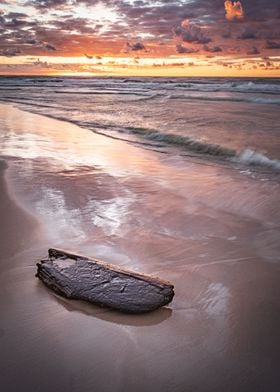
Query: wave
{"type": "Point", "coordinates": [143, 98]}
{"type": "Point", "coordinates": [247, 157]}
{"type": "Point", "coordinates": [254, 158]}
{"type": "Point", "coordinates": [153, 135]}
{"type": "Point", "coordinates": [271, 86]}
{"type": "Point", "coordinates": [104, 92]}
{"type": "Point", "coordinates": [231, 86]}
{"type": "Point", "coordinates": [185, 142]}
{"type": "Point", "coordinates": [260, 100]}
{"type": "Point", "coordinates": [251, 86]}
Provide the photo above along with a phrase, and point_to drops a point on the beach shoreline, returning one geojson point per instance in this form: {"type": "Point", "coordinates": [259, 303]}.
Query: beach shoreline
{"type": "Point", "coordinates": [221, 331]}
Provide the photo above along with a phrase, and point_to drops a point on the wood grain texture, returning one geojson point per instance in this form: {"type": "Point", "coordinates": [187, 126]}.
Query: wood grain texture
{"type": "Point", "coordinates": [80, 277]}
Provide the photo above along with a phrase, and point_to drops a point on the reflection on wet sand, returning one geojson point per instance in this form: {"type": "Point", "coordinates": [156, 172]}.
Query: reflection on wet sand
{"type": "Point", "coordinates": [211, 230]}
{"type": "Point", "coordinates": [30, 136]}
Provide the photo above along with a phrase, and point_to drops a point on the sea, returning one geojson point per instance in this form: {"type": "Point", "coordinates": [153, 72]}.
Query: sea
{"type": "Point", "coordinates": [174, 177]}
{"type": "Point", "coordinates": [229, 118]}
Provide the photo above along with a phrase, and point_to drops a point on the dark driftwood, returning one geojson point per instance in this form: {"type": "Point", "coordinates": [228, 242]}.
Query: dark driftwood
{"type": "Point", "coordinates": [84, 278]}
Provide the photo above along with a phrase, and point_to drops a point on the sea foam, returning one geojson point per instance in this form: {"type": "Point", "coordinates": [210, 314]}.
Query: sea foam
{"type": "Point", "coordinates": [251, 157]}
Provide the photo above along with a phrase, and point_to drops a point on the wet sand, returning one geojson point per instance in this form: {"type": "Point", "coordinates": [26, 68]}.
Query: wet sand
{"type": "Point", "coordinates": [221, 332]}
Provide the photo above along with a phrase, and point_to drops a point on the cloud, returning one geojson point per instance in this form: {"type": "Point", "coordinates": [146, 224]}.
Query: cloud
{"type": "Point", "coordinates": [253, 50]}
{"type": "Point", "coordinates": [88, 56]}
{"type": "Point", "coordinates": [234, 10]}
{"type": "Point", "coordinates": [191, 33]}
{"type": "Point", "coordinates": [137, 46]}
{"type": "Point", "coordinates": [50, 47]}
{"type": "Point", "coordinates": [153, 28]}
{"type": "Point", "coordinates": [48, 4]}
{"type": "Point", "coordinates": [182, 49]}
{"type": "Point", "coordinates": [10, 52]}
{"type": "Point", "coordinates": [214, 49]}
{"type": "Point", "coordinates": [15, 15]}
{"type": "Point", "coordinates": [31, 42]}
{"type": "Point", "coordinates": [16, 23]}
{"type": "Point", "coordinates": [79, 25]}
{"type": "Point", "coordinates": [272, 45]}
{"type": "Point", "coordinates": [248, 33]}
{"type": "Point", "coordinates": [226, 34]}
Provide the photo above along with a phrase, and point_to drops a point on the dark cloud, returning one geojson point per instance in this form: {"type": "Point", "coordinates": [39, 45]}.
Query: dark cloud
{"type": "Point", "coordinates": [192, 33]}
{"type": "Point", "coordinates": [31, 42]}
{"type": "Point", "coordinates": [272, 45]}
{"type": "Point", "coordinates": [15, 15]}
{"type": "Point", "coordinates": [213, 49]}
{"type": "Point", "coordinates": [88, 56]}
{"type": "Point", "coordinates": [50, 47]}
{"type": "Point", "coordinates": [79, 25]}
{"type": "Point", "coordinates": [253, 50]}
{"type": "Point", "coordinates": [248, 33]}
{"type": "Point", "coordinates": [137, 46]}
{"type": "Point", "coordinates": [182, 49]}
{"type": "Point", "coordinates": [16, 23]}
{"type": "Point", "coordinates": [226, 34]}
{"type": "Point", "coordinates": [10, 52]}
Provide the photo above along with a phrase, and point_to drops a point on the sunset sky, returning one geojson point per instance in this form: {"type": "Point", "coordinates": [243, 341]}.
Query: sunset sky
{"type": "Point", "coordinates": [140, 37]}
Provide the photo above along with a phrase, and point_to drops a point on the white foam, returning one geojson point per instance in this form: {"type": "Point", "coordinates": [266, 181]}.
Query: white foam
{"type": "Point", "coordinates": [253, 158]}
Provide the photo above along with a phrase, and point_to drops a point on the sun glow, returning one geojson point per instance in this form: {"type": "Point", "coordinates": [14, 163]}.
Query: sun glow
{"type": "Point", "coordinates": [145, 66]}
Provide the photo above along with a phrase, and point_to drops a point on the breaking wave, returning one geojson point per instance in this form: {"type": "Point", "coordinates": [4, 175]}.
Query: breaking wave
{"type": "Point", "coordinates": [254, 158]}
{"type": "Point", "coordinates": [247, 157]}
{"type": "Point", "coordinates": [185, 142]}
{"type": "Point", "coordinates": [113, 107]}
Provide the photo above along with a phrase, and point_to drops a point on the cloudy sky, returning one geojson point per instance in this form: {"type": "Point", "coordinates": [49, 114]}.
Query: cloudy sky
{"type": "Point", "coordinates": [140, 37]}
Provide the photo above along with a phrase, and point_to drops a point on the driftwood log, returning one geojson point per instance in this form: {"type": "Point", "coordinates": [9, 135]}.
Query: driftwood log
{"type": "Point", "coordinates": [84, 278]}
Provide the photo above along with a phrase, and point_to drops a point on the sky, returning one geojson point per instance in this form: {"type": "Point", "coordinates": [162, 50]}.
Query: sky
{"type": "Point", "coordinates": [140, 37]}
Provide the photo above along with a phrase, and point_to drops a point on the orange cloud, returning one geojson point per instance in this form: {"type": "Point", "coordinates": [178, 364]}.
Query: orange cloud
{"type": "Point", "coordinates": [185, 24]}
{"type": "Point", "coordinates": [234, 10]}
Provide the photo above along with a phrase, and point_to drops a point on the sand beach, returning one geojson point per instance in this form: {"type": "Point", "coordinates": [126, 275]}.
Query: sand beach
{"type": "Point", "coordinates": [64, 186]}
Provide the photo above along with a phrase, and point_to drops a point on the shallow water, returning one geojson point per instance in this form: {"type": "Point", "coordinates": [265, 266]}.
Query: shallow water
{"type": "Point", "coordinates": [194, 113]}
{"type": "Point", "coordinates": [209, 226]}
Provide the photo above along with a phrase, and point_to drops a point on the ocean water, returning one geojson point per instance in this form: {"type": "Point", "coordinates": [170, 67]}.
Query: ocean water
{"type": "Point", "coordinates": [178, 178]}
{"type": "Point", "coordinates": [237, 118]}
